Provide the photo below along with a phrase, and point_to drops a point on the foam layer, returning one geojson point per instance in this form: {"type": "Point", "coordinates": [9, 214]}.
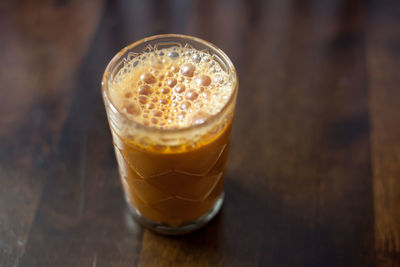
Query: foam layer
{"type": "Point", "coordinates": [171, 88]}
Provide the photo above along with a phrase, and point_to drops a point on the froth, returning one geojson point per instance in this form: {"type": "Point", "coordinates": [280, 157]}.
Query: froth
{"type": "Point", "coordinates": [171, 88]}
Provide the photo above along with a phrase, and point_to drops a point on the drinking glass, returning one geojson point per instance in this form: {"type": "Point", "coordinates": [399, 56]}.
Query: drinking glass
{"type": "Point", "coordinates": [172, 178]}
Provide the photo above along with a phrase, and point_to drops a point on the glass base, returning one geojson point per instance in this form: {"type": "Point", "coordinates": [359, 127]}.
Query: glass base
{"type": "Point", "coordinates": [165, 229]}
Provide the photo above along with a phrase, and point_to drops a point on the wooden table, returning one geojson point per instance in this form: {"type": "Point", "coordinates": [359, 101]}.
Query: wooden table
{"type": "Point", "coordinates": [314, 168]}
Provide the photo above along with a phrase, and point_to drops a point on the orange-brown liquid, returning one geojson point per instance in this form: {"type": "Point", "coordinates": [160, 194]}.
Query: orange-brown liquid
{"type": "Point", "coordinates": [175, 187]}
{"type": "Point", "coordinates": [172, 89]}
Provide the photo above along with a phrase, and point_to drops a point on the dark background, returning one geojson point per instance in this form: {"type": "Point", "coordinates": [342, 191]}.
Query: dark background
{"type": "Point", "coordinates": [314, 168]}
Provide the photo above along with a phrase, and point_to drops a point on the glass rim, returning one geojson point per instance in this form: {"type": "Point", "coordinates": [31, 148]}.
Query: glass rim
{"type": "Point", "coordinates": [118, 56]}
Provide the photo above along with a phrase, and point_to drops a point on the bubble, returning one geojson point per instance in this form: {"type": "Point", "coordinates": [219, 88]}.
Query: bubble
{"type": "Point", "coordinates": [133, 109]}
{"type": "Point", "coordinates": [162, 85]}
{"type": "Point", "coordinates": [180, 88]}
{"type": "Point", "coordinates": [173, 55]}
{"type": "Point", "coordinates": [145, 90]}
{"type": "Point", "coordinates": [188, 69]}
{"type": "Point", "coordinates": [206, 95]}
{"type": "Point", "coordinates": [185, 105]}
{"type": "Point", "coordinates": [218, 79]}
{"type": "Point", "coordinates": [148, 78]}
{"type": "Point", "coordinates": [158, 65]}
{"type": "Point", "coordinates": [165, 90]}
{"type": "Point", "coordinates": [142, 99]}
{"type": "Point", "coordinates": [150, 106]}
{"type": "Point", "coordinates": [181, 115]}
{"type": "Point", "coordinates": [191, 95]}
{"type": "Point", "coordinates": [196, 58]}
{"type": "Point", "coordinates": [157, 113]}
{"type": "Point", "coordinates": [203, 80]}
{"type": "Point", "coordinates": [200, 117]}
{"type": "Point", "coordinates": [174, 69]}
{"type": "Point", "coordinates": [171, 82]}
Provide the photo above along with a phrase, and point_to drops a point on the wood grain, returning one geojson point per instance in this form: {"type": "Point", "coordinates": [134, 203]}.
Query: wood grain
{"type": "Point", "coordinates": [299, 175]}
{"type": "Point", "coordinates": [37, 65]}
{"type": "Point", "coordinates": [313, 173]}
{"type": "Point", "coordinates": [83, 182]}
{"type": "Point", "coordinates": [383, 53]}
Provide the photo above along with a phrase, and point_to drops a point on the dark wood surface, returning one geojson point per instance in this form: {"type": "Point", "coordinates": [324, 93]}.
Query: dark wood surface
{"type": "Point", "coordinates": [314, 168]}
